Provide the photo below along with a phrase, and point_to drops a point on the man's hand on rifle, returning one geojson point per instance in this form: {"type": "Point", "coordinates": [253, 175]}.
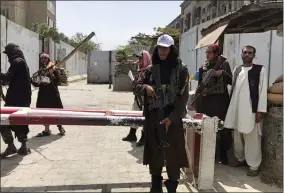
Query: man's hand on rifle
{"type": "Point", "coordinates": [150, 91]}
{"type": "Point", "coordinates": [219, 73]}
{"type": "Point", "coordinates": [167, 123]}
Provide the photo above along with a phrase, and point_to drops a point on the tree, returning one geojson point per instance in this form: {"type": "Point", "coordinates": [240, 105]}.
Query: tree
{"type": "Point", "coordinates": [140, 39]}
{"type": "Point", "coordinates": [167, 30]}
{"type": "Point", "coordinates": [123, 52]}
{"type": "Point", "coordinates": [46, 32]}
{"type": "Point", "coordinates": [147, 40]}
{"type": "Point", "coordinates": [88, 46]}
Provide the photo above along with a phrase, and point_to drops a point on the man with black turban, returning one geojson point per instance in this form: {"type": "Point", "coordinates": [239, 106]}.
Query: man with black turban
{"type": "Point", "coordinates": [18, 95]}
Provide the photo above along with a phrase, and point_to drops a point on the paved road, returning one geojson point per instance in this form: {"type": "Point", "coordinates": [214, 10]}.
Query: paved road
{"type": "Point", "coordinates": [94, 159]}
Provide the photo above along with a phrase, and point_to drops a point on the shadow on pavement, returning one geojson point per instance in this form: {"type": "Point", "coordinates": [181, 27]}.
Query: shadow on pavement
{"type": "Point", "coordinates": [105, 188]}
{"type": "Point", "coordinates": [137, 152]}
{"type": "Point", "coordinates": [10, 163]}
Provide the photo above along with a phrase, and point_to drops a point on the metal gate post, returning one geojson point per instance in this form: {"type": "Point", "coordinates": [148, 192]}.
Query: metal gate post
{"type": "Point", "coordinates": [109, 70]}
{"type": "Point", "coordinates": [207, 153]}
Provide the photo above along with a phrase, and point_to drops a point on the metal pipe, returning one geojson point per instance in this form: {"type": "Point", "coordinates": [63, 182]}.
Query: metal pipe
{"type": "Point", "coordinates": [27, 116]}
{"type": "Point", "coordinates": [10, 110]}
{"type": "Point", "coordinates": [24, 119]}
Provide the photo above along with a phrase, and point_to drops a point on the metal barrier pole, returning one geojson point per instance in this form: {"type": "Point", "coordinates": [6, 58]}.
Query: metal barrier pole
{"type": "Point", "coordinates": [207, 127]}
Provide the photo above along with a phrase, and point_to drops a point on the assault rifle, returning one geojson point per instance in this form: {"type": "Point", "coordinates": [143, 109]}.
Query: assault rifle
{"type": "Point", "coordinates": [137, 98]}
{"type": "Point", "coordinates": [201, 89]}
{"type": "Point", "coordinates": [158, 103]}
{"type": "Point", "coordinates": [43, 72]}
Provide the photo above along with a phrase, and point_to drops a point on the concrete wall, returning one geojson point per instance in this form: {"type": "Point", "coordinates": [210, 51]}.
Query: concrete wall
{"type": "Point", "coordinates": [26, 39]}
{"type": "Point", "coordinates": [77, 64]}
{"type": "Point", "coordinates": [190, 56]}
{"type": "Point", "coordinates": [28, 42]}
{"type": "Point", "coordinates": [272, 147]}
{"type": "Point", "coordinates": [268, 51]}
{"type": "Point", "coordinates": [31, 46]}
{"type": "Point", "coordinates": [3, 44]}
{"type": "Point", "coordinates": [98, 66]}
{"type": "Point", "coordinates": [187, 50]}
{"type": "Point", "coordinates": [268, 46]}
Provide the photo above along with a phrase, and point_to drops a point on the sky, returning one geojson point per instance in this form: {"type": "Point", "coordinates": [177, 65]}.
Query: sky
{"type": "Point", "coordinates": [114, 22]}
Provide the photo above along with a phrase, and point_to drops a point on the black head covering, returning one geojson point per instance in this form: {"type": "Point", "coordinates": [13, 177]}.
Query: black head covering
{"type": "Point", "coordinates": [167, 65]}
{"type": "Point", "coordinates": [13, 51]}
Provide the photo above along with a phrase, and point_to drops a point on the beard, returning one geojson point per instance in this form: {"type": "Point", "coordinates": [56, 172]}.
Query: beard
{"type": "Point", "coordinates": [247, 60]}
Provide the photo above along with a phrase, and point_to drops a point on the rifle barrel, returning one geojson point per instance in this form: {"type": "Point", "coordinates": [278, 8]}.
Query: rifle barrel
{"type": "Point", "coordinates": [76, 49]}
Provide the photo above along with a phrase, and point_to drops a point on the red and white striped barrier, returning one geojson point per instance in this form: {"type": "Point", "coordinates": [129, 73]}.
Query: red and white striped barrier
{"type": "Point", "coordinates": [34, 116]}
{"type": "Point", "coordinates": [207, 128]}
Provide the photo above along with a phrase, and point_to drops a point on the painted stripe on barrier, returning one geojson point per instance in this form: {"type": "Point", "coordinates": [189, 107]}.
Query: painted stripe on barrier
{"type": "Point", "coordinates": [5, 119]}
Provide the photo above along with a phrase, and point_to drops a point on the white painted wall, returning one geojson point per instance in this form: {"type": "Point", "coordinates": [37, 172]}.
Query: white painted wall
{"type": "Point", "coordinates": [28, 42]}
{"type": "Point", "coordinates": [233, 43]}
{"type": "Point", "coordinates": [193, 58]}
{"type": "Point", "coordinates": [3, 44]}
{"type": "Point", "coordinates": [276, 59]}
{"type": "Point", "coordinates": [31, 46]}
{"type": "Point", "coordinates": [187, 49]}
{"type": "Point", "coordinates": [263, 42]}
{"type": "Point", "coordinates": [77, 64]}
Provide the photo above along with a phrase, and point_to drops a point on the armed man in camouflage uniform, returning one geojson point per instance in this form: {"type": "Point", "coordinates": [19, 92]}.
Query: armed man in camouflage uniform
{"type": "Point", "coordinates": [214, 100]}
{"type": "Point", "coordinates": [167, 78]}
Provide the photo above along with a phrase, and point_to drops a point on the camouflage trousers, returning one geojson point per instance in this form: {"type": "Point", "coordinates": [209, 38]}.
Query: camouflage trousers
{"type": "Point", "coordinates": [21, 132]}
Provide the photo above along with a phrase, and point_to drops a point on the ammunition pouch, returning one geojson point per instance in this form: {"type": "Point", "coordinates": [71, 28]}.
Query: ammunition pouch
{"type": "Point", "coordinates": [156, 101]}
{"type": "Point", "coordinates": [164, 96]}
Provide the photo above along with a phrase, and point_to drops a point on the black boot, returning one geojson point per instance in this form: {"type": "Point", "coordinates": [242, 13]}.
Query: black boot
{"type": "Point", "coordinates": [141, 141]}
{"type": "Point", "coordinates": [61, 130]}
{"type": "Point", "coordinates": [24, 150]}
{"type": "Point", "coordinates": [10, 150]}
{"type": "Point", "coordinates": [131, 136]}
{"type": "Point", "coordinates": [156, 184]}
{"type": "Point", "coordinates": [171, 186]}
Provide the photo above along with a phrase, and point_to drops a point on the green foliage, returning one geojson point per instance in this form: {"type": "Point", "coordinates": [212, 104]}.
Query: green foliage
{"type": "Point", "coordinates": [124, 52]}
{"type": "Point", "coordinates": [46, 32]}
{"type": "Point", "coordinates": [167, 30]}
{"type": "Point", "coordinates": [140, 39]}
{"type": "Point", "coordinates": [79, 37]}
{"type": "Point", "coordinates": [147, 40]}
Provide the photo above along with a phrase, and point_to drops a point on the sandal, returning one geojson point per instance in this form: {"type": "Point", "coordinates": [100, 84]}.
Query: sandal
{"type": "Point", "coordinates": [61, 131]}
{"type": "Point", "coordinates": [252, 173]}
{"type": "Point", "coordinates": [43, 134]}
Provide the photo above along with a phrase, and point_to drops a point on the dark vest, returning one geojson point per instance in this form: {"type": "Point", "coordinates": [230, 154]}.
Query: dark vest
{"type": "Point", "coordinates": [253, 78]}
